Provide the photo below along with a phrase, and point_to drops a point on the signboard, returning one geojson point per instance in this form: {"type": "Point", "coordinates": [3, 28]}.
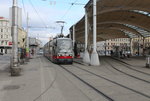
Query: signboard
{"type": "Point", "coordinates": [10, 43]}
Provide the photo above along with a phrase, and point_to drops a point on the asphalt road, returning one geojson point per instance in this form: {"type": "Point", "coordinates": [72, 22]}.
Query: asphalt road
{"type": "Point", "coordinates": [4, 62]}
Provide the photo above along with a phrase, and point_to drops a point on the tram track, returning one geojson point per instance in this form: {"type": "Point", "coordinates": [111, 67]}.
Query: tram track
{"type": "Point", "coordinates": [88, 84]}
{"type": "Point", "coordinates": [121, 85]}
{"type": "Point", "coordinates": [123, 72]}
{"type": "Point", "coordinates": [126, 73]}
{"type": "Point", "coordinates": [129, 66]}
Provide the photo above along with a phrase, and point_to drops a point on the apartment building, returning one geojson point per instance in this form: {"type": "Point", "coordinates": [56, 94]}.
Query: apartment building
{"type": "Point", "coordinates": [22, 34]}
{"type": "Point", "coordinates": [5, 36]}
{"type": "Point", "coordinates": [112, 44]}
{"type": "Point", "coordinates": [141, 46]}
{"type": "Point", "coordinates": [34, 44]}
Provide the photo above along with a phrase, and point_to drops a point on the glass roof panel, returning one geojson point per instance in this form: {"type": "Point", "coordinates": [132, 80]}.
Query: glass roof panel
{"type": "Point", "coordinates": [140, 30]}
{"type": "Point", "coordinates": [130, 34]}
{"type": "Point", "coordinates": [141, 12]}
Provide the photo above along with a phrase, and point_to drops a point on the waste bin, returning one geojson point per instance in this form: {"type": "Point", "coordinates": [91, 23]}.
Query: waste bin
{"type": "Point", "coordinates": [148, 61]}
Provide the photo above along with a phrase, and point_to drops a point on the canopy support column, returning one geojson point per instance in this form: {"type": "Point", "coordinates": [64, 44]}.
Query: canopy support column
{"type": "Point", "coordinates": [143, 46]}
{"type": "Point", "coordinates": [131, 46]}
{"type": "Point", "coordinates": [86, 57]}
{"type": "Point", "coordinates": [73, 35]}
{"type": "Point", "coordinates": [94, 56]}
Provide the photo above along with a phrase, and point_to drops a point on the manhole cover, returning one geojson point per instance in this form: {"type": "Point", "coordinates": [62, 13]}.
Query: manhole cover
{"type": "Point", "coordinates": [11, 87]}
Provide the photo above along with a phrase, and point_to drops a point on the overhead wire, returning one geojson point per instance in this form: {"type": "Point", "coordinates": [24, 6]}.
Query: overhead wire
{"type": "Point", "coordinates": [38, 14]}
{"type": "Point", "coordinates": [38, 8]}
{"type": "Point", "coordinates": [68, 9]}
{"type": "Point", "coordinates": [75, 3]}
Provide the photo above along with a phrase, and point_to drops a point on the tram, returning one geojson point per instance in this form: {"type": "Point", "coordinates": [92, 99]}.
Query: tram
{"type": "Point", "coordinates": [59, 50]}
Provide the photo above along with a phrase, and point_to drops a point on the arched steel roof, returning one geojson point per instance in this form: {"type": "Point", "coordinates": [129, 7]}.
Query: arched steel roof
{"type": "Point", "coordinates": [118, 19]}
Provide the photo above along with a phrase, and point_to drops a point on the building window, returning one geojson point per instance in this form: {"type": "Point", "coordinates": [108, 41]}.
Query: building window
{"type": "Point", "coordinates": [1, 36]}
{"type": "Point", "coordinates": [1, 30]}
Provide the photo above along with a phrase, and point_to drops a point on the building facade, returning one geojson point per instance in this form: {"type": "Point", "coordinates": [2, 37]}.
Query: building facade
{"type": "Point", "coordinates": [5, 36]}
{"type": "Point", "coordinates": [137, 46]}
{"type": "Point", "coordinates": [34, 45]}
{"type": "Point", "coordinates": [112, 44]}
{"type": "Point", "coordinates": [141, 46]}
{"type": "Point", "coordinates": [22, 34]}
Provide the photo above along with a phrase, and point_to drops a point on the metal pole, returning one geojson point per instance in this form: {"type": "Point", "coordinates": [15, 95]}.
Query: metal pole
{"type": "Point", "coordinates": [27, 39]}
{"type": "Point", "coordinates": [15, 70]}
{"type": "Point", "coordinates": [94, 25]}
{"type": "Point", "coordinates": [138, 46]}
{"type": "Point", "coordinates": [94, 56]}
{"type": "Point", "coordinates": [143, 46]}
{"type": "Point", "coordinates": [105, 48]}
{"type": "Point", "coordinates": [62, 27]}
{"type": "Point", "coordinates": [131, 49]}
{"type": "Point", "coordinates": [86, 29]}
{"type": "Point", "coordinates": [73, 35]}
{"type": "Point", "coordinates": [86, 57]}
{"type": "Point", "coordinates": [70, 36]}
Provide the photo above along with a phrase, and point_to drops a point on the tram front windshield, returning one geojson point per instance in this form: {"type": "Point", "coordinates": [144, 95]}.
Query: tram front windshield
{"type": "Point", "coordinates": [64, 45]}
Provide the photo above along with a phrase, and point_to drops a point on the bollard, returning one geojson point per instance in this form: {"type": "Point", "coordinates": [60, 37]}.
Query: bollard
{"type": "Point", "coordinates": [148, 61]}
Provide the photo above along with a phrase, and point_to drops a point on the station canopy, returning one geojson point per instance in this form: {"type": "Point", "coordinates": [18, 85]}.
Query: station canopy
{"type": "Point", "coordinates": [116, 19]}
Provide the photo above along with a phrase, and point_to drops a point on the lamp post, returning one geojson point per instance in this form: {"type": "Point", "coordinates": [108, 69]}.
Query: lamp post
{"type": "Point", "coordinates": [27, 40]}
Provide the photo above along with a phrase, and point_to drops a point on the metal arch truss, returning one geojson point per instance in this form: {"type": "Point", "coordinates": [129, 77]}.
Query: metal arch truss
{"type": "Point", "coordinates": [118, 18]}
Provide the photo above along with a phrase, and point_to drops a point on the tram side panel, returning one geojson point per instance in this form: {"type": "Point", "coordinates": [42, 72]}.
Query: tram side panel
{"type": "Point", "coordinates": [59, 50]}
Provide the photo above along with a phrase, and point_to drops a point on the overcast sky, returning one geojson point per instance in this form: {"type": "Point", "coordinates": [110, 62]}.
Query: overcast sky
{"type": "Point", "coordinates": [45, 13]}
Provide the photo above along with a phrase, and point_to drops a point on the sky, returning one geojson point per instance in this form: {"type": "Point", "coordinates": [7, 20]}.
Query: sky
{"type": "Point", "coordinates": [45, 13]}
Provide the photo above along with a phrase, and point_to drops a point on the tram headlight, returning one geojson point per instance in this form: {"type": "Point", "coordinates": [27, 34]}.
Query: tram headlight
{"type": "Point", "coordinates": [59, 55]}
{"type": "Point", "coordinates": [70, 54]}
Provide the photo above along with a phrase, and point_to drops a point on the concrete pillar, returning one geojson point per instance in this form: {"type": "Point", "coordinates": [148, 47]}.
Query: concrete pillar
{"type": "Point", "coordinates": [86, 57]}
{"type": "Point", "coordinates": [94, 56]}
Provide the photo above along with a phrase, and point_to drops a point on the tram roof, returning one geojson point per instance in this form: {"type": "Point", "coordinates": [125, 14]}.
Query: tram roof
{"type": "Point", "coordinates": [116, 19]}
